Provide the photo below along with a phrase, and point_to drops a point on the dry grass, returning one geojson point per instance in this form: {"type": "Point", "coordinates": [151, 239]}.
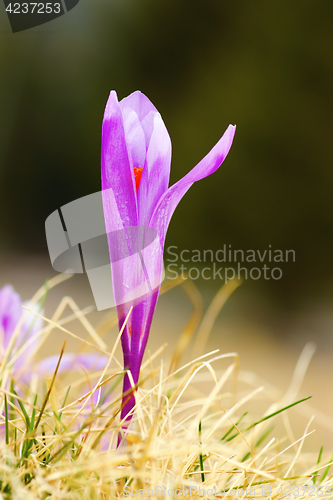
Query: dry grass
{"type": "Point", "coordinates": [204, 424]}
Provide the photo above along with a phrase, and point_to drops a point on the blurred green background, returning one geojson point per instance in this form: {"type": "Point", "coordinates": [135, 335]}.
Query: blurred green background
{"type": "Point", "coordinates": [266, 66]}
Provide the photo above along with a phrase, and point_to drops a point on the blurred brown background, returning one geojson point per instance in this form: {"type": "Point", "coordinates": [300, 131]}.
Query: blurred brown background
{"type": "Point", "coordinates": [266, 66]}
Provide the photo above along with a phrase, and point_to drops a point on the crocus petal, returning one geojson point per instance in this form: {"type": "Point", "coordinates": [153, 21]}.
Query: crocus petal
{"type": "Point", "coordinates": [136, 256]}
{"type": "Point", "coordinates": [10, 311]}
{"type": "Point", "coordinates": [138, 279]}
{"type": "Point", "coordinates": [113, 220]}
{"type": "Point", "coordinates": [32, 324]}
{"type": "Point", "coordinates": [117, 173]}
{"type": "Point", "coordinates": [134, 341]}
{"type": "Point", "coordinates": [70, 362]}
{"type": "Point", "coordinates": [156, 173]}
{"type": "Point", "coordinates": [139, 103]}
{"type": "Point", "coordinates": [170, 199]}
{"type": "Point", "coordinates": [148, 126]}
{"type": "Point", "coordinates": [135, 138]}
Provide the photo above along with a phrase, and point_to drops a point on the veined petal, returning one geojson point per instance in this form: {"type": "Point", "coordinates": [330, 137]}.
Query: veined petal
{"type": "Point", "coordinates": [117, 173]}
{"type": "Point", "coordinates": [112, 216]}
{"type": "Point", "coordinates": [137, 264]}
{"type": "Point", "coordinates": [135, 138]}
{"type": "Point", "coordinates": [139, 103]}
{"type": "Point", "coordinates": [148, 126]}
{"type": "Point", "coordinates": [170, 199]}
{"type": "Point", "coordinates": [156, 173]}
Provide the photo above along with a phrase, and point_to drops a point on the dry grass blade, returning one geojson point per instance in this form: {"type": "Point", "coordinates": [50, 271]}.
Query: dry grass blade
{"type": "Point", "coordinates": [190, 429]}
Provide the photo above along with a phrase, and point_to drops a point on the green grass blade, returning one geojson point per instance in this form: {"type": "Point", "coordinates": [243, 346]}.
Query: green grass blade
{"type": "Point", "coordinates": [270, 416]}
{"type": "Point", "coordinates": [26, 416]}
{"type": "Point", "coordinates": [326, 471]}
{"type": "Point", "coordinates": [12, 400]}
{"type": "Point", "coordinates": [201, 457]}
{"type": "Point", "coordinates": [15, 442]}
{"type": "Point", "coordinates": [6, 418]}
{"type": "Point", "coordinates": [314, 479]}
{"type": "Point", "coordinates": [277, 412]}
{"type": "Point", "coordinates": [33, 415]}
{"type": "Point", "coordinates": [233, 426]}
{"type": "Point", "coordinates": [65, 399]}
{"type": "Point", "coordinates": [111, 388]}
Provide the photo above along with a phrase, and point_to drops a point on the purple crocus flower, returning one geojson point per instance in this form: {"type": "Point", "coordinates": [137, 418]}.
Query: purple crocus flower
{"type": "Point", "coordinates": [10, 315]}
{"type": "Point", "coordinates": [135, 160]}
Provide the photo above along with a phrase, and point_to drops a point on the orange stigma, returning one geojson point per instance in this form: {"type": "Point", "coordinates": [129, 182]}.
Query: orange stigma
{"type": "Point", "coordinates": [137, 175]}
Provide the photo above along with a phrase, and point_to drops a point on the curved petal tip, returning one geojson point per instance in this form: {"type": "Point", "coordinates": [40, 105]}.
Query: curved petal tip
{"type": "Point", "coordinates": [110, 105]}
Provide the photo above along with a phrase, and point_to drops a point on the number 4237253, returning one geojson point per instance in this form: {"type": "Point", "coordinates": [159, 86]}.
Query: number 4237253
{"type": "Point", "coordinates": [34, 8]}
